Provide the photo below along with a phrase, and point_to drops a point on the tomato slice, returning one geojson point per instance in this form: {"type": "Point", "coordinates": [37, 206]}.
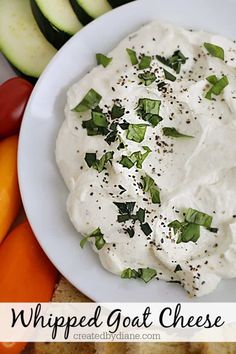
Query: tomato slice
{"type": "Point", "coordinates": [14, 95]}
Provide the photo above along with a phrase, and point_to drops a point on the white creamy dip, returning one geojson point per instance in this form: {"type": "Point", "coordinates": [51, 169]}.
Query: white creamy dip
{"type": "Point", "coordinates": [198, 172]}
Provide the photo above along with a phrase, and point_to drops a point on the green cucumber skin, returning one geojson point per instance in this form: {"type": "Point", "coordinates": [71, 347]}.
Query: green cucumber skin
{"type": "Point", "coordinates": [116, 3]}
{"type": "Point", "coordinates": [31, 79]}
{"type": "Point", "coordinates": [55, 36]}
{"type": "Point", "coordinates": [83, 17]}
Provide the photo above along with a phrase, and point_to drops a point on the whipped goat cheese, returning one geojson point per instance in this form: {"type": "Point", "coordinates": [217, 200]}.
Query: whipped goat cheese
{"type": "Point", "coordinates": [148, 153]}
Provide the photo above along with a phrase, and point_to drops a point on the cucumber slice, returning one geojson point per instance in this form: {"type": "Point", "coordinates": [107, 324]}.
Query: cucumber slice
{"type": "Point", "coordinates": [56, 19]}
{"type": "Point", "coordinates": [88, 10]}
{"type": "Point", "coordinates": [21, 41]}
{"type": "Point", "coordinates": [116, 3]}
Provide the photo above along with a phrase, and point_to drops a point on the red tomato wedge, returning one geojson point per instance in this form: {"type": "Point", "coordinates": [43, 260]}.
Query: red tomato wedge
{"type": "Point", "coordinates": [14, 95]}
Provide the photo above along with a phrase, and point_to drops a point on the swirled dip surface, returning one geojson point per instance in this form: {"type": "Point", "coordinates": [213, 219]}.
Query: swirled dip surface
{"type": "Point", "coordinates": [197, 172]}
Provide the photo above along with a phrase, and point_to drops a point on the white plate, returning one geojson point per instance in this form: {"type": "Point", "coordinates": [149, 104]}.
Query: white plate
{"type": "Point", "coordinates": [43, 191]}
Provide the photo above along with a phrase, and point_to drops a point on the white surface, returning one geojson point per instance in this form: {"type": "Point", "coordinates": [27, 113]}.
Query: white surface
{"type": "Point", "coordinates": [43, 191]}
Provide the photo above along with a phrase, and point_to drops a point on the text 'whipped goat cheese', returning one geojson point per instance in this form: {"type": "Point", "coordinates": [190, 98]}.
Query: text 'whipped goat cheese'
{"type": "Point", "coordinates": [149, 157]}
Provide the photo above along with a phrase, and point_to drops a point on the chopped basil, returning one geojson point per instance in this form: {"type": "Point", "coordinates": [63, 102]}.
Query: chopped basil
{"type": "Point", "coordinates": [215, 50]}
{"type": "Point", "coordinates": [99, 119]}
{"type": "Point", "coordinates": [146, 274]}
{"type": "Point", "coordinates": [111, 137]}
{"type": "Point", "coordinates": [150, 186]}
{"type": "Point", "coordinates": [147, 78]}
{"type": "Point", "coordinates": [126, 162]}
{"type": "Point", "coordinates": [117, 111]}
{"type": "Point", "coordinates": [212, 79]}
{"type": "Point", "coordinates": [136, 132]}
{"type": "Point", "coordinates": [103, 60]}
{"type": "Point", "coordinates": [129, 274]}
{"type": "Point", "coordinates": [136, 158]}
{"type": "Point", "coordinates": [174, 62]}
{"type": "Point", "coordinates": [177, 268]}
{"type": "Point", "coordinates": [140, 215]}
{"type": "Point", "coordinates": [99, 240]}
{"type": "Point", "coordinates": [175, 225]}
{"type": "Point", "coordinates": [90, 158]}
{"type": "Point", "coordinates": [172, 132]}
{"type": "Point", "coordinates": [169, 76]}
{"type": "Point", "coordinates": [125, 208]}
{"type": "Point", "coordinates": [197, 217]}
{"type": "Point", "coordinates": [93, 129]}
{"type": "Point", "coordinates": [189, 232]}
{"type": "Point", "coordinates": [149, 110]}
{"type": "Point", "coordinates": [90, 101]}
{"type": "Point", "coordinates": [145, 62]}
{"type": "Point", "coordinates": [218, 86]}
{"type": "Point", "coordinates": [99, 165]}
{"type": "Point", "coordinates": [146, 229]}
{"type": "Point", "coordinates": [133, 56]}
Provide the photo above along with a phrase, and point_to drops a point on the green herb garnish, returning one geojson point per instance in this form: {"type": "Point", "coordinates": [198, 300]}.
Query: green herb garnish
{"type": "Point", "coordinates": [197, 217]}
{"type": "Point", "coordinates": [146, 229]}
{"type": "Point", "coordinates": [103, 60]}
{"type": "Point", "coordinates": [117, 111]}
{"type": "Point", "coordinates": [136, 158]}
{"type": "Point", "coordinates": [90, 101]}
{"type": "Point", "coordinates": [215, 50]}
{"type": "Point", "coordinates": [150, 186]}
{"type": "Point", "coordinates": [99, 165]}
{"type": "Point", "coordinates": [99, 119]}
{"type": "Point", "coordinates": [130, 231]}
{"type": "Point", "coordinates": [145, 62]}
{"type": "Point", "coordinates": [148, 110]}
{"type": "Point", "coordinates": [172, 132]}
{"type": "Point", "coordinates": [189, 229]}
{"type": "Point", "coordinates": [174, 62]}
{"type": "Point", "coordinates": [136, 132]}
{"type": "Point", "coordinates": [218, 85]}
{"type": "Point", "coordinates": [146, 274]}
{"type": "Point", "coordinates": [99, 240]}
{"type": "Point", "coordinates": [147, 78]}
{"type": "Point", "coordinates": [169, 76]}
{"type": "Point", "coordinates": [133, 56]}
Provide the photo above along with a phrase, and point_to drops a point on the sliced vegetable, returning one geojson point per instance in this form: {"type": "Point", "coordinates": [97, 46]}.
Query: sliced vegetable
{"type": "Point", "coordinates": [56, 20]}
{"type": "Point", "coordinates": [116, 3]}
{"type": "Point", "coordinates": [11, 347]}
{"type": "Point", "coordinates": [215, 50]}
{"type": "Point", "coordinates": [103, 60]}
{"type": "Point", "coordinates": [26, 274]}
{"type": "Point", "coordinates": [88, 10]}
{"type": "Point", "coordinates": [14, 95]}
{"type": "Point", "coordinates": [24, 46]}
{"type": "Point", "coordinates": [9, 189]}
{"type": "Point", "coordinates": [172, 132]}
{"type": "Point", "coordinates": [90, 101]}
